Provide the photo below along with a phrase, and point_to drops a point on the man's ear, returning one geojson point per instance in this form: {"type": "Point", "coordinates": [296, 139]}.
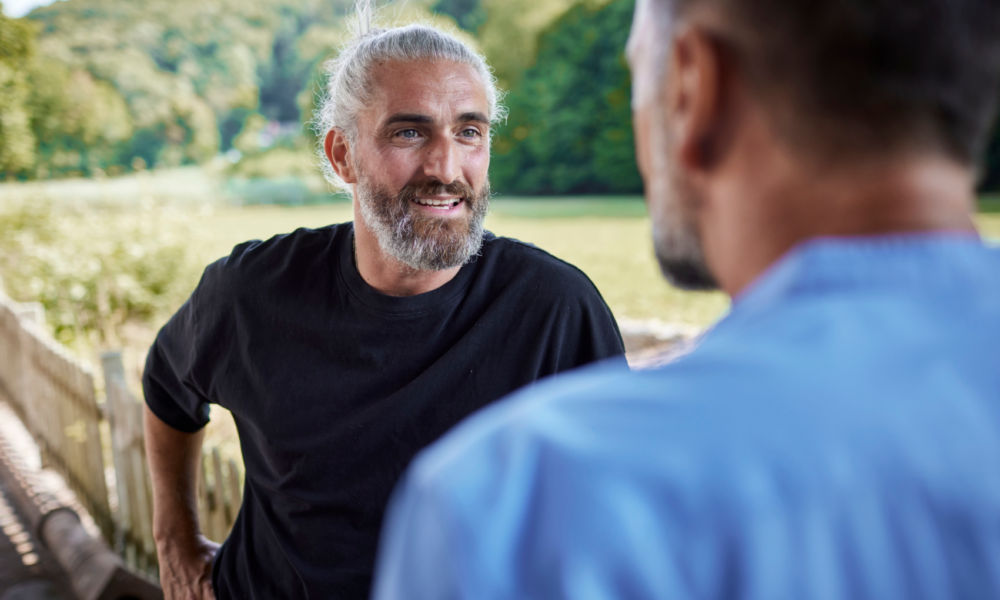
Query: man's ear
{"type": "Point", "coordinates": [338, 152]}
{"type": "Point", "coordinates": [695, 98]}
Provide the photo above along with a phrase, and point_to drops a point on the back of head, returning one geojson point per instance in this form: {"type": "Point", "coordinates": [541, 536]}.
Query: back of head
{"type": "Point", "coordinates": [867, 75]}
{"type": "Point", "coordinates": [349, 86]}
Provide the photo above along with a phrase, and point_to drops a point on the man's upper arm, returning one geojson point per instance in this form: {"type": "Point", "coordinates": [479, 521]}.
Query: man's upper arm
{"type": "Point", "coordinates": [170, 380]}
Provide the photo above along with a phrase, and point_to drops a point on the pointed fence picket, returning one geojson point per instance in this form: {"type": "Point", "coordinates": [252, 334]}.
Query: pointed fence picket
{"type": "Point", "coordinates": [54, 395]}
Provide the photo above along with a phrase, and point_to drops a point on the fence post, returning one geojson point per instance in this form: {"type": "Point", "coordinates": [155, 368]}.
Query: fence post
{"type": "Point", "coordinates": [114, 370]}
{"type": "Point", "coordinates": [34, 313]}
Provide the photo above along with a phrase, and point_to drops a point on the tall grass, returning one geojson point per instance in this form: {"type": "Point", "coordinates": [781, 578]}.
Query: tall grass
{"type": "Point", "coordinates": [103, 275]}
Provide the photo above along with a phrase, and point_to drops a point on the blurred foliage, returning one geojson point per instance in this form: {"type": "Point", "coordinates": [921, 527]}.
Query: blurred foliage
{"type": "Point", "coordinates": [94, 87]}
{"type": "Point", "coordinates": [78, 121]}
{"type": "Point", "coordinates": [570, 124]}
{"type": "Point", "coordinates": [469, 14]}
{"type": "Point", "coordinates": [188, 69]}
{"type": "Point", "coordinates": [509, 36]}
{"type": "Point", "coordinates": [172, 82]}
{"type": "Point", "coordinates": [281, 161]}
{"type": "Point", "coordinates": [17, 143]}
{"type": "Point", "coordinates": [157, 83]}
{"type": "Point", "coordinates": [99, 271]}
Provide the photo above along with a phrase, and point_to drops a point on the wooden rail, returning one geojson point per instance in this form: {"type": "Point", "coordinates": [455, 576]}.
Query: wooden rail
{"type": "Point", "coordinates": [54, 395]}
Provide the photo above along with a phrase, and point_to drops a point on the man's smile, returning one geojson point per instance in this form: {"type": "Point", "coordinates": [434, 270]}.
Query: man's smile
{"type": "Point", "coordinates": [440, 204]}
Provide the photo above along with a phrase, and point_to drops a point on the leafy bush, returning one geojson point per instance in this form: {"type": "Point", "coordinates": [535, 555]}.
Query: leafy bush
{"type": "Point", "coordinates": [570, 124]}
{"type": "Point", "coordinates": [99, 271]}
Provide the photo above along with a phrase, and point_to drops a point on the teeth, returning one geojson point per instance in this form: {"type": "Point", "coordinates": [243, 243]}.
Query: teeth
{"type": "Point", "coordinates": [437, 203]}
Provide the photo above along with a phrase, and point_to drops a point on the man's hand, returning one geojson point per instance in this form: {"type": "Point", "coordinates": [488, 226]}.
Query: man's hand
{"type": "Point", "coordinates": [186, 569]}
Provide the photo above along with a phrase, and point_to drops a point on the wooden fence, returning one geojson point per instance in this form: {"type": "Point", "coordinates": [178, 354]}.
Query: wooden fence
{"type": "Point", "coordinates": [90, 442]}
{"type": "Point", "coordinates": [219, 490]}
{"type": "Point", "coordinates": [54, 396]}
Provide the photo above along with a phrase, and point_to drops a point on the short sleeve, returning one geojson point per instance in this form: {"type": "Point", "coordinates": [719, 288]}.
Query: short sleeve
{"type": "Point", "coordinates": [169, 385]}
{"type": "Point", "coordinates": [600, 337]}
{"type": "Point", "coordinates": [588, 330]}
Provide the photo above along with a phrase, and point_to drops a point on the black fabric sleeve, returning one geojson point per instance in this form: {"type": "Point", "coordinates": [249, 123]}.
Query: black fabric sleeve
{"type": "Point", "coordinates": [590, 332]}
{"type": "Point", "coordinates": [168, 382]}
{"type": "Point", "coordinates": [581, 328]}
{"type": "Point", "coordinates": [572, 321]}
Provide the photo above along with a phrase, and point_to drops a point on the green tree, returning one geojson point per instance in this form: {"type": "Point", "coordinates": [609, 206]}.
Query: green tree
{"type": "Point", "coordinates": [469, 14]}
{"type": "Point", "coordinates": [509, 36]}
{"type": "Point", "coordinates": [570, 123]}
{"type": "Point", "coordinates": [17, 143]}
{"type": "Point", "coordinates": [187, 69]}
{"type": "Point", "coordinates": [78, 121]}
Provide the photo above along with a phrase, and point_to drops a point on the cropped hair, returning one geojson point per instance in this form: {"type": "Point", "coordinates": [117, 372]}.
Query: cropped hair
{"type": "Point", "coordinates": [348, 88]}
{"type": "Point", "coordinates": [868, 74]}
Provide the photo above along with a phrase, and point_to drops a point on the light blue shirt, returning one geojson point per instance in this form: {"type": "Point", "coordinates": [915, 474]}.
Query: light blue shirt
{"type": "Point", "coordinates": [835, 437]}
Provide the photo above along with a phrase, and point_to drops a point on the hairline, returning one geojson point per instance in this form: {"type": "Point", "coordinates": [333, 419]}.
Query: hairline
{"type": "Point", "coordinates": [494, 110]}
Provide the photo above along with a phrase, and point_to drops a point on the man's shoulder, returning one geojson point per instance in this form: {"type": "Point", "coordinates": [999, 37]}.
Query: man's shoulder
{"type": "Point", "coordinates": [257, 261]}
{"type": "Point", "coordinates": [281, 247]}
{"type": "Point", "coordinates": [527, 262]}
{"type": "Point", "coordinates": [731, 407]}
{"type": "Point", "coordinates": [526, 417]}
{"type": "Point", "coordinates": [604, 469]}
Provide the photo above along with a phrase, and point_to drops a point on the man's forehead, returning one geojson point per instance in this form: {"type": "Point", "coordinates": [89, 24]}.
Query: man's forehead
{"type": "Point", "coordinates": [436, 89]}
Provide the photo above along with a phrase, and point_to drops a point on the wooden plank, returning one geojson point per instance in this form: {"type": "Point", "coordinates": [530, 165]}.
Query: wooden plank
{"type": "Point", "coordinates": [235, 493]}
{"type": "Point", "coordinates": [204, 509]}
{"type": "Point", "coordinates": [56, 399]}
{"type": "Point", "coordinates": [219, 523]}
{"type": "Point", "coordinates": [119, 453]}
{"type": "Point", "coordinates": [140, 476]}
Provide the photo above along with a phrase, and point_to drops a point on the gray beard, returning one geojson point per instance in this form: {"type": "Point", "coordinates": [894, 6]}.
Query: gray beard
{"type": "Point", "coordinates": [420, 241]}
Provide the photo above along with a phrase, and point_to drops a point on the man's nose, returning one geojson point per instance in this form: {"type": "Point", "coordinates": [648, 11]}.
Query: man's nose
{"type": "Point", "coordinates": [443, 160]}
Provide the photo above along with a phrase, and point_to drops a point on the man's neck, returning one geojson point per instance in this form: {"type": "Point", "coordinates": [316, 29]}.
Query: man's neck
{"type": "Point", "coordinates": [386, 274]}
{"type": "Point", "coordinates": [746, 232]}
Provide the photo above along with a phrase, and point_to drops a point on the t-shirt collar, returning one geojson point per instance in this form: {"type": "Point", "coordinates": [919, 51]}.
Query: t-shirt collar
{"type": "Point", "coordinates": [428, 302]}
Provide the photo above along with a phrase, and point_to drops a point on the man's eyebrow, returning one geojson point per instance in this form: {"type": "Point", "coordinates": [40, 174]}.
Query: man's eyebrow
{"type": "Point", "coordinates": [408, 118]}
{"type": "Point", "coordinates": [472, 116]}
{"type": "Point", "coordinates": [424, 119]}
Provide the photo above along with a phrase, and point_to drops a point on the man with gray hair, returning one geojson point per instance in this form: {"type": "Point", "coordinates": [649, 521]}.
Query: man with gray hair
{"type": "Point", "coordinates": [343, 351]}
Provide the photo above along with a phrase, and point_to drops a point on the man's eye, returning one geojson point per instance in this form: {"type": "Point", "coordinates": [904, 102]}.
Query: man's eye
{"type": "Point", "coordinates": [408, 134]}
{"type": "Point", "coordinates": [470, 132]}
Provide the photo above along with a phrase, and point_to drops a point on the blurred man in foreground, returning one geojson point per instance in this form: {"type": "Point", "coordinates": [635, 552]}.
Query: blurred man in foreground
{"type": "Point", "coordinates": [344, 350]}
{"type": "Point", "coordinates": [837, 435]}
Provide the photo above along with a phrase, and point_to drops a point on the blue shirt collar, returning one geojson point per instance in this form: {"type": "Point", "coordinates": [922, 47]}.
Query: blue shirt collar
{"type": "Point", "coordinates": [902, 261]}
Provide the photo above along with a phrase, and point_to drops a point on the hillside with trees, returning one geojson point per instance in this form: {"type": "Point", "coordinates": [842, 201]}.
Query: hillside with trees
{"type": "Point", "coordinates": [102, 87]}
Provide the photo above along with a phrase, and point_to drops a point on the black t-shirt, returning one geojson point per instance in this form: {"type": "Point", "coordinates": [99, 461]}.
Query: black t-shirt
{"type": "Point", "coordinates": [335, 387]}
